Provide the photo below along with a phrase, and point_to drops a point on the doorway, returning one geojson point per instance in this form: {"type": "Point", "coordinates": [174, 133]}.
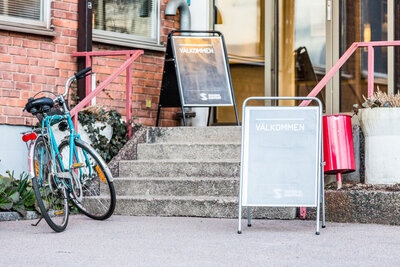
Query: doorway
{"type": "Point", "coordinates": [362, 21]}
{"type": "Point", "coordinates": [242, 23]}
{"type": "Point", "coordinates": [301, 42]}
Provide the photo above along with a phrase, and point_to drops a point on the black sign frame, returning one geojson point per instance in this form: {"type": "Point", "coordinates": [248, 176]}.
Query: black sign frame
{"type": "Point", "coordinates": [171, 94]}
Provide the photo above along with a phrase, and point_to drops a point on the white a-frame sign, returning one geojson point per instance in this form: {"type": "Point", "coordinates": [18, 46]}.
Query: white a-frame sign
{"type": "Point", "coordinates": [282, 157]}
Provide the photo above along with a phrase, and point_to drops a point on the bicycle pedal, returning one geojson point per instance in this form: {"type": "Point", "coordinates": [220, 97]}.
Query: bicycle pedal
{"type": "Point", "coordinates": [77, 165]}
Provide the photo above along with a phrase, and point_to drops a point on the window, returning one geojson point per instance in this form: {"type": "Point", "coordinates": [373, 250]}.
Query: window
{"type": "Point", "coordinates": [32, 16]}
{"type": "Point", "coordinates": [365, 21]}
{"type": "Point", "coordinates": [127, 22]}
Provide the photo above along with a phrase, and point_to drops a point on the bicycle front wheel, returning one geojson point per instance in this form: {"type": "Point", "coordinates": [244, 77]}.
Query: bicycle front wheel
{"type": "Point", "coordinates": [50, 192]}
{"type": "Point", "coordinates": [93, 194]}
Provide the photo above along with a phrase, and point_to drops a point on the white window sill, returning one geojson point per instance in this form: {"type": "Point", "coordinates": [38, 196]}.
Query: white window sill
{"type": "Point", "coordinates": [127, 42]}
{"type": "Point", "coordinates": [26, 28]}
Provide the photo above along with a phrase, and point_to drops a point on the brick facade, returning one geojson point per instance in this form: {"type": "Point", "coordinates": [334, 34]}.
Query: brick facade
{"type": "Point", "coordinates": [31, 63]}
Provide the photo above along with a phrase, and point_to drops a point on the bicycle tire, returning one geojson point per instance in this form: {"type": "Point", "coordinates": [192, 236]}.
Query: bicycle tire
{"type": "Point", "coordinates": [98, 193]}
{"type": "Point", "coordinates": [51, 199]}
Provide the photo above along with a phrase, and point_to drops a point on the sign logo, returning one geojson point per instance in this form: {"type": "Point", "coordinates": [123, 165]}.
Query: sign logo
{"type": "Point", "coordinates": [203, 97]}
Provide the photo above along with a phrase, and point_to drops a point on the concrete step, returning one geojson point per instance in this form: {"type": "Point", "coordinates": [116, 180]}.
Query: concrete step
{"type": "Point", "coordinates": [212, 134]}
{"type": "Point", "coordinates": [181, 186]}
{"type": "Point", "coordinates": [188, 151]}
{"type": "Point", "coordinates": [212, 207]}
{"type": "Point", "coordinates": [179, 168]}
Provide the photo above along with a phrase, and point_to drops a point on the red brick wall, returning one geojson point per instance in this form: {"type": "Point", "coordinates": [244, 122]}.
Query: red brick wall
{"type": "Point", "coordinates": [31, 63]}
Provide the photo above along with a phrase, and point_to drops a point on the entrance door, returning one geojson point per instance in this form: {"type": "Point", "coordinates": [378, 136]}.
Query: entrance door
{"type": "Point", "coordinates": [243, 24]}
{"type": "Point", "coordinates": [301, 41]}
{"type": "Point", "coordinates": [362, 21]}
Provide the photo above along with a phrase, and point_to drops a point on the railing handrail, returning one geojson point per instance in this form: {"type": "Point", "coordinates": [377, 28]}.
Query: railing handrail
{"type": "Point", "coordinates": [349, 52]}
{"type": "Point", "coordinates": [104, 53]}
{"type": "Point", "coordinates": [131, 56]}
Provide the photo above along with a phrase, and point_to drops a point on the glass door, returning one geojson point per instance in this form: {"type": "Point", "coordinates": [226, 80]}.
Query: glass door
{"type": "Point", "coordinates": [362, 21]}
{"type": "Point", "coordinates": [301, 41]}
{"type": "Point", "coordinates": [243, 24]}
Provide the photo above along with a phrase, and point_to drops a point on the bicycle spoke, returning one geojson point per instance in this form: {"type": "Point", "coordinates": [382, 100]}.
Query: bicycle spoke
{"type": "Point", "coordinates": [51, 199]}
{"type": "Point", "coordinates": [97, 192]}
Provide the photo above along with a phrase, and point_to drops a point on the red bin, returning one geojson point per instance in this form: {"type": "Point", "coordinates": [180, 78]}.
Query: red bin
{"type": "Point", "coordinates": [338, 146]}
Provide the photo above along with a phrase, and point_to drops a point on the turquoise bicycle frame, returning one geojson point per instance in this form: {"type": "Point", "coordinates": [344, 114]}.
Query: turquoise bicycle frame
{"type": "Point", "coordinates": [73, 153]}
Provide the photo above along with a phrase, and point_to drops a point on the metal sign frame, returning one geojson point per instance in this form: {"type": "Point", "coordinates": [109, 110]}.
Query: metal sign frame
{"type": "Point", "coordinates": [320, 198]}
{"type": "Point", "coordinates": [178, 74]}
{"type": "Point", "coordinates": [171, 94]}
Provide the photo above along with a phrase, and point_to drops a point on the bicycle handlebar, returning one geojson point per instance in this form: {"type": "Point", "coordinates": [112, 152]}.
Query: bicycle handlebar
{"type": "Point", "coordinates": [77, 76]}
{"type": "Point", "coordinates": [80, 74]}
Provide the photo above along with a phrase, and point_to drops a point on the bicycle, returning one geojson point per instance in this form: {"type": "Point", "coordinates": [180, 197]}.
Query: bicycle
{"type": "Point", "coordinates": [71, 170]}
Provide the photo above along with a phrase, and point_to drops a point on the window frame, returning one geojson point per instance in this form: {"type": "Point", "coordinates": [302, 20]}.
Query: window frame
{"type": "Point", "coordinates": [41, 27]}
{"type": "Point", "coordinates": [129, 40]}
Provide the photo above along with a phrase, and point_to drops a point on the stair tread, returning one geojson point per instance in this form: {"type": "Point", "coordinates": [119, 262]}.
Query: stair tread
{"type": "Point", "coordinates": [200, 127]}
{"type": "Point", "coordinates": [180, 161]}
{"type": "Point", "coordinates": [191, 143]}
{"type": "Point", "coordinates": [197, 198]}
{"type": "Point", "coordinates": [183, 178]}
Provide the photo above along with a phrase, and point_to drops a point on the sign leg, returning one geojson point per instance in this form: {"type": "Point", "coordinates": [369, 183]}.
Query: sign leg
{"type": "Point", "coordinates": [323, 200]}
{"type": "Point", "coordinates": [318, 216]}
{"type": "Point", "coordinates": [318, 205]}
{"type": "Point", "coordinates": [248, 217]}
{"type": "Point", "coordinates": [236, 112]}
{"type": "Point", "coordinates": [209, 116]}
{"type": "Point", "coordinates": [184, 116]}
{"type": "Point", "coordinates": [158, 115]}
{"type": "Point", "coordinates": [240, 218]}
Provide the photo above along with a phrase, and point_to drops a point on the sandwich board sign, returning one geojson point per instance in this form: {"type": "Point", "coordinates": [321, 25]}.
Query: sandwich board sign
{"type": "Point", "coordinates": [281, 159]}
{"type": "Point", "coordinates": [196, 72]}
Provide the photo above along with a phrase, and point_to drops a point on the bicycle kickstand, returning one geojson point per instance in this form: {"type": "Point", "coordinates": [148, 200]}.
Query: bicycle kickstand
{"type": "Point", "coordinates": [35, 224]}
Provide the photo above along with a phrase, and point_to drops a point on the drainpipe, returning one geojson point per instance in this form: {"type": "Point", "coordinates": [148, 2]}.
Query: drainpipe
{"type": "Point", "coordinates": [184, 11]}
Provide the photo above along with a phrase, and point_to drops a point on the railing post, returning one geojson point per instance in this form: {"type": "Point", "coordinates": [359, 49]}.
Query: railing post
{"type": "Point", "coordinates": [87, 79]}
{"type": "Point", "coordinates": [371, 70]}
{"type": "Point", "coordinates": [129, 97]}
{"type": "Point", "coordinates": [75, 122]}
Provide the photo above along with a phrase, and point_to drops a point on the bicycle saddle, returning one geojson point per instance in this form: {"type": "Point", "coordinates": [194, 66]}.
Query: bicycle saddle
{"type": "Point", "coordinates": [39, 105]}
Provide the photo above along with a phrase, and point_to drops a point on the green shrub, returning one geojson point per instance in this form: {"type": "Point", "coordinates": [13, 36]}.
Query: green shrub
{"type": "Point", "coordinates": [88, 117]}
{"type": "Point", "coordinates": [16, 195]}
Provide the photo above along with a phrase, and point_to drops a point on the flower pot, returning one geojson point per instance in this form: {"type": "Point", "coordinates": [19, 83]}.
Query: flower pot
{"type": "Point", "coordinates": [107, 131]}
{"type": "Point", "coordinates": [381, 127]}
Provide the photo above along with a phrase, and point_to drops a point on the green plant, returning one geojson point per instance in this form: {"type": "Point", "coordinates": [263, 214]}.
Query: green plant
{"type": "Point", "coordinates": [106, 148]}
{"type": "Point", "coordinates": [16, 195]}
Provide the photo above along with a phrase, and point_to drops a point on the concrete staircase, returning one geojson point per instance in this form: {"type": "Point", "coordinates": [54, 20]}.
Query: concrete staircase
{"type": "Point", "coordinates": [185, 171]}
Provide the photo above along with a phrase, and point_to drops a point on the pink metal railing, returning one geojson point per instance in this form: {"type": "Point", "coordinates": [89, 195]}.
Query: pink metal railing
{"type": "Point", "coordinates": [343, 60]}
{"type": "Point", "coordinates": [131, 56]}
{"type": "Point", "coordinates": [336, 68]}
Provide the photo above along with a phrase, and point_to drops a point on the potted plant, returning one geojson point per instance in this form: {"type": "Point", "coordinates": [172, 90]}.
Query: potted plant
{"type": "Point", "coordinates": [380, 122]}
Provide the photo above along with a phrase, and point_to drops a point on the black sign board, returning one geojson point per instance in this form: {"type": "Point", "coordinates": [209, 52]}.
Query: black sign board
{"type": "Point", "coordinates": [196, 72]}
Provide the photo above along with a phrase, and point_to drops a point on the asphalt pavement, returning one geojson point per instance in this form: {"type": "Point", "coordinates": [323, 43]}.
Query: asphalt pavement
{"type": "Point", "coordinates": [171, 241]}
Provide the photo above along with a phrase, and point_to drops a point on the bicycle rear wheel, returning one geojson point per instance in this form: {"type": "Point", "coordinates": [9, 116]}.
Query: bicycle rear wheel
{"type": "Point", "coordinates": [51, 194]}
{"type": "Point", "coordinates": [96, 198]}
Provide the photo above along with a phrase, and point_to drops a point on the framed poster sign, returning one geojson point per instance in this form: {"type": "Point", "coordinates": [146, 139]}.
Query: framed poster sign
{"type": "Point", "coordinates": [202, 71]}
{"type": "Point", "coordinates": [196, 72]}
